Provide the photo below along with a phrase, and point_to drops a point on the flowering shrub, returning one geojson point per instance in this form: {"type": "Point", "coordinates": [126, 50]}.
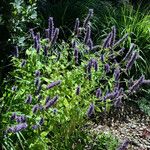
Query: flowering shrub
{"type": "Point", "coordinates": [58, 86]}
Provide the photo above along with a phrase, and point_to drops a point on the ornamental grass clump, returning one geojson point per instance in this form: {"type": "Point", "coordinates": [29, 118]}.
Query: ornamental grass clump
{"type": "Point", "coordinates": [60, 85]}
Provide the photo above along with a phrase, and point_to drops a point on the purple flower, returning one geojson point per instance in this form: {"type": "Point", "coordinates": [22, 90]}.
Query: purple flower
{"type": "Point", "coordinates": [120, 41]}
{"type": "Point", "coordinates": [89, 66]}
{"type": "Point", "coordinates": [102, 57]}
{"type": "Point", "coordinates": [54, 84]}
{"type": "Point", "coordinates": [35, 108]}
{"type": "Point", "coordinates": [90, 110]}
{"type": "Point", "coordinates": [118, 102]}
{"type": "Point", "coordinates": [17, 128]}
{"type": "Point", "coordinates": [78, 90]}
{"type": "Point", "coordinates": [117, 74]}
{"type": "Point", "coordinates": [76, 55]}
{"type": "Point", "coordinates": [23, 63]}
{"type": "Point", "coordinates": [38, 89]}
{"type": "Point", "coordinates": [37, 81]}
{"type": "Point", "coordinates": [47, 99]}
{"type": "Point", "coordinates": [107, 68]}
{"type": "Point", "coordinates": [41, 122]}
{"type": "Point", "coordinates": [29, 99]}
{"type": "Point", "coordinates": [35, 127]}
{"type": "Point", "coordinates": [17, 52]}
{"type": "Point", "coordinates": [45, 50]}
{"type": "Point", "coordinates": [73, 44]}
{"type": "Point", "coordinates": [54, 38]}
{"type": "Point", "coordinates": [38, 48]}
{"type": "Point", "coordinates": [113, 40]}
{"type": "Point", "coordinates": [137, 84]}
{"type": "Point", "coordinates": [98, 93]}
{"type": "Point", "coordinates": [51, 27]}
{"type": "Point", "coordinates": [87, 34]}
{"type": "Point", "coordinates": [124, 145]}
{"type": "Point", "coordinates": [13, 116]}
{"type": "Point", "coordinates": [14, 88]}
{"type": "Point", "coordinates": [87, 19]}
{"type": "Point", "coordinates": [38, 37]}
{"type": "Point", "coordinates": [90, 44]}
{"type": "Point", "coordinates": [146, 81]}
{"type": "Point", "coordinates": [51, 102]}
{"type": "Point", "coordinates": [20, 119]}
{"type": "Point", "coordinates": [32, 33]}
{"type": "Point", "coordinates": [76, 27]}
{"type": "Point", "coordinates": [37, 73]}
{"type": "Point", "coordinates": [107, 40]}
{"type": "Point", "coordinates": [132, 46]}
{"type": "Point", "coordinates": [95, 65]}
{"type": "Point", "coordinates": [131, 61]}
{"type": "Point", "coordinates": [47, 33]}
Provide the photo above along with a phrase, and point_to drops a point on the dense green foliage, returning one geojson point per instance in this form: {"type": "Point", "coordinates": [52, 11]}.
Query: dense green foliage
{"type": "Point", "coordinates": [55, 88]}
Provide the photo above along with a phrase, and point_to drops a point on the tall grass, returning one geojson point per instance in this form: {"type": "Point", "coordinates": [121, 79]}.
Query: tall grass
{"type": "Point", "coordinates": [135, 22]}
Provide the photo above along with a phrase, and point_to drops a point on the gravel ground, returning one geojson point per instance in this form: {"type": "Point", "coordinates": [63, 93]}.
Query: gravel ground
{"type": "Point", "coordinates": [127, 123]}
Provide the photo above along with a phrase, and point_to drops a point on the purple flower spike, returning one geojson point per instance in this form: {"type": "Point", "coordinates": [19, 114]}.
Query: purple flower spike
{"type": "Point", "coordinates": [95, 65]}
{"type": "Point", "coordinates": [118, 102]}
{"type": "Point", "coordinates": [76, 55]}
{"type": "Point", "coordinates": [23, 63]}
{"type": "Point", "coordinates": [132, 60]}
{"type": "Point", "coordinates": [47, 33]}
{"type": "Point", "coordinates": [38, 37]}
{"type": "Point", "coordinates": [113, 36]}
{"type": "Point", "coordinates": [14, 88]}
{"type": "Point", "coordinates": [35, 108]}
{"type": "Point", "coordinates": [17, 128]}
{"type": "Point", "coordinates": [32, 33]}
{"type": "Point", "coordinates": [38, 89]}
{"type": "Point", "coordinates": [78, 90]}
{"type": "Point", "coordinates": [90, 110]}
{"type": "Point", "coordinates": [47, 99]}
{"type": "Point", "coordinates": [35, 127]}
{"type": "Point", "coordinates": [137, 84]}
{"type": "Point", "coordinates": [116, 74]}
{"type": "Point", "coordinates": [124, 146]}
{"type": "Point", "coordinates": [55, 37]}
{"type": "Point", "coordinates": [73, 44]}
{"type": "Point", "coordinates": [54, 84]}
{"type": "Point", "coordinates": [107, 40]}
{"type": "Point", "coordinates": [41, 122]}
{"type": "Point", "coordinates": [132, 46]}
{"type": "Point", "coordinates": [98, 93]}
{"type": "Point", "coordinates": [87, 19]}
{"type": "Point", "coordinates": [107, 68]}
{"type": "Point", "coordinates": [29, 99]}
{"type": "Point", "coordinates": [76, 27]}
{"type": "Point", "coordinates": [87, 34]}
{"type": "Point", "coordinates": [13, 116]}
{"type": "Point", "coordinates": [37, 81]}
{"type": "Point", "coordinates": [146, 81]}
{"type": "Point", "coordinates": [17, 52]}
{"type": "Point", "coordinates": [21, 119]}
{"type": "Point", "coordinates": [51, 102]}
{"type": "Point", "coordinates": [37, 73]}
{"type": "Point", "coordinates": [90, 44]}
{"type": "Point", "coordinates": [102, 57]}
{"type": "Point", "coordinates": [45, 50]}
{"type": "Point", "coordinates": [51, 27]}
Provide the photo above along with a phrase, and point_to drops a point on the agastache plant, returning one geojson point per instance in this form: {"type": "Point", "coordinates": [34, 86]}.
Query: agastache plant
{"type": "Point", "coordinates": [53, 84]}
{"type": "Point", "coordinates": [76, 27]}
{"type": "Point", "coordinates": [87, 19]}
